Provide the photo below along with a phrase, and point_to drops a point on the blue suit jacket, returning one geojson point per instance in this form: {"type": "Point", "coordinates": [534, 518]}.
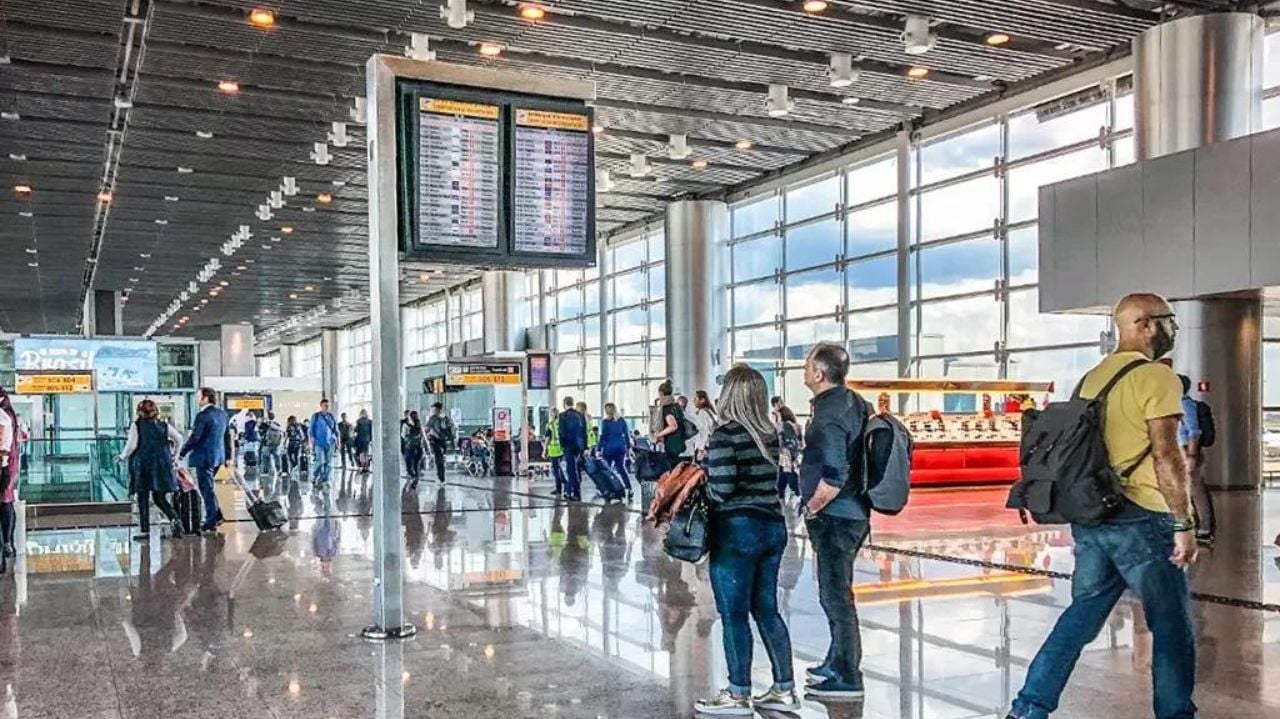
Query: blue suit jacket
{"type": "Point", "coordinates": [205, 447]}
{"type": "Point", "coordinates": [573, 431]}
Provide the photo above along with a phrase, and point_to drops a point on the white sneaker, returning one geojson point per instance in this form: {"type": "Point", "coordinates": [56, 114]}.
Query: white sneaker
{"type": "Point", "coordinates": [778, 700]}
{"type": "Point", "coordinates": [725, 704]}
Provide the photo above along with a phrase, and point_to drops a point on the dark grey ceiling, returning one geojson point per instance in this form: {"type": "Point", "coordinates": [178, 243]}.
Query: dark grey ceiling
{"type": "Point", "coordinates": [699, 67]}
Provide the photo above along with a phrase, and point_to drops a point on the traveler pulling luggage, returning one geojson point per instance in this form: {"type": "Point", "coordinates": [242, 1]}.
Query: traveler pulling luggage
{"type": "Point", "coordinates": [606, 478]}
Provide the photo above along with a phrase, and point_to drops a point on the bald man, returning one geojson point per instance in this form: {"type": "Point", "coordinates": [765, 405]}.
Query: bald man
{"type": "Point", "coordinates": [1145, 547]}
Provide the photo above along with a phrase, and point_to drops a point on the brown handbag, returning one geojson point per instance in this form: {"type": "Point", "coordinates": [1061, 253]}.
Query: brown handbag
{"type": "Point", "coordinates": [673, 490]}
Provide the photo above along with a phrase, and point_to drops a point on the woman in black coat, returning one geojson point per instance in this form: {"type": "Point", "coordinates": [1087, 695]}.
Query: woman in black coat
{"type": "Point", "coordinates": [149, 451]}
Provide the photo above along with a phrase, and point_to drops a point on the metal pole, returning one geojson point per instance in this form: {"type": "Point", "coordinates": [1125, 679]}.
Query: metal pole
{"type": "Point", "coordinates": [904, 259]}
{"type": "Point", "coordinates": [388, 370]}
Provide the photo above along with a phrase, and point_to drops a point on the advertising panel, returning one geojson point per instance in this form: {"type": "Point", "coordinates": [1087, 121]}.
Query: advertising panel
{"type": "Point", "coordinates": [117, 365]}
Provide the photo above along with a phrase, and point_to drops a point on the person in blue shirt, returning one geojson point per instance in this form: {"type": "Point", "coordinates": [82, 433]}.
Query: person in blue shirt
{"type": "Point", "coordinates": [615, 443]}
{"type": "Point", "coordinates": [1189, 433]}
{"type": "Point", "coordinates": [324, 440]}
{"type": "Point", "coordinates": [206, 449]}
{"type": "Point", "coordinates": [573, 441]}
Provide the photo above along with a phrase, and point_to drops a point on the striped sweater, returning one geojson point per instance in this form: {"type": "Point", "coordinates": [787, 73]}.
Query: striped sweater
{"type": "Point", "coordinates": [738, 475]}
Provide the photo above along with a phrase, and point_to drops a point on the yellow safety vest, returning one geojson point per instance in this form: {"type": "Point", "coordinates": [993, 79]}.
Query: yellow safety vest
{"type": "Point", "coordinates": [553, 442]}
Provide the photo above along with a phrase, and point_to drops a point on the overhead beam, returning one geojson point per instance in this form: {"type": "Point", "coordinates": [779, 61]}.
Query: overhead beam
{"type": "Point", "coordinates": [727, 117]}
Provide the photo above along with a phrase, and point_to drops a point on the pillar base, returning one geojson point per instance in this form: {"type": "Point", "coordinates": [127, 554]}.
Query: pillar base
{"type": "Point", "coordinates": [380, 634]}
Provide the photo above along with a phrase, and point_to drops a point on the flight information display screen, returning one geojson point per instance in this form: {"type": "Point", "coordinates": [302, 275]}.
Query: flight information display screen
{"type": "Point", "coordinates": [459, 170]}
{"type": "Point", "coordinates": [553, 176]}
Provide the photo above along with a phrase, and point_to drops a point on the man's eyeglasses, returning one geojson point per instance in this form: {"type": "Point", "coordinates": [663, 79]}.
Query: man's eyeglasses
{"type": "Point", "coordinates": [1173, 319]}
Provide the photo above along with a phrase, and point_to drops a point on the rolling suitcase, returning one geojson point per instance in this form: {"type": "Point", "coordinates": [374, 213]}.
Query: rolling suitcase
{"type": "Point", "coordinates": [267, 515]}
{"type": "Point", "coordinates": [607, 481]}
{"type": "Point", "coordinates": [190, 514]}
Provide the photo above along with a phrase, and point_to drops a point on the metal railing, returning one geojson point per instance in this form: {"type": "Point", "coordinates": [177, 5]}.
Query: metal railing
{"type": "Point", "coordinates": [73, 470]}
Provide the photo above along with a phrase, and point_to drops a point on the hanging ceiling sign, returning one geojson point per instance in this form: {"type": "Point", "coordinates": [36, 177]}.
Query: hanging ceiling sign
{"type": "Point", "coordinates": [482, 374]}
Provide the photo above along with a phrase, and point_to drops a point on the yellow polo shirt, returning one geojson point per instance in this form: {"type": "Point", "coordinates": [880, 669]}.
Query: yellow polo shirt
{"type": "Point", "coordinates": [1148, 392]}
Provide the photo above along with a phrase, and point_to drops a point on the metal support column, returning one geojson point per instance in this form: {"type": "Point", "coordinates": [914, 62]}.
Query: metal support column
{"type": "Point", "coordinates": [696, 231]}
{"type": "Point", "coordinates": [904, 256]}
{"type": "Point", "coordinates": [388, 368]}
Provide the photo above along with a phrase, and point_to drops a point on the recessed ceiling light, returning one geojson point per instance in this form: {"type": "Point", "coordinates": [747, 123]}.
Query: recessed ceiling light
{"type": "Point", "coordinates": [144, 255]}
{"type": "Point", "coordinates": [224, 283]}
{"type": "Point", "coordinates": [10, 116]}
{"type": "Point", "coordinates": [917, 72]}
{"type": "Point", "coordinates": [139, 268]}
{"type": "Point", "coordinates": [286, 230]}
{"type": "Point", "coordinates": [325, 279]}
{"type": "Point", "coordinates": [532, 12]}
{"type": "Point", "coordinates": [490, 49]}
{"type": "Point", "coordinates": [171, 198]}
{"type": "Point", "coordinates": [17, 157]}
{"type": "Point", "coordinates": [324, 198]}
{"type": "Point", "coordinates": [133, 280]}
{"type": "Point", "coordinates": [162, 222]}
{"type": "Point", "coordinates": [104, 196]}
{"type": "Point", "coordinates": [33, 264]}
{"type": "Point", "coordinates": [235, 274]}
{"type": "Point", "coordinates": [308, 209]}
{"type": "Point", "coordinates": [242, 268]}
{"type": "Point", "coordinates": [204, 134]}
{"type": "Point", "coordinates": [262, 17]}
{"type": "Point", "coordinates": [185, 170]}
{"type": "Point", "coordinates": [266, 247]}
{"type": "Point", "coordinates": [700, 164]}
{"type": "Point", "coordinates": [204, 300]}
{"type": "Point", "coordinates": [814, 6]}
{"type": "Point", "coordinates": [293, 296]}
{"type": "Point", "coordinates": [24, 213]}
{"type": "Point", "coordinates": [744, 144]}
{"type": "Point", "coordinates": [32, 250]}
{"type": "Point", "coordinates": [22, 189]}
{"type": "Point", "coordinates": [249, 262]}
{"type": "Point", "coordinates": [339, 183]}
{"type": "Point", "coordinates": [310, 288]}
{"type": "Point", "coordinates": [228, 87]}
{"type": "Point", "coordinates": [597, 129]}
{"type": "Point", "coordinates": [998, 38]}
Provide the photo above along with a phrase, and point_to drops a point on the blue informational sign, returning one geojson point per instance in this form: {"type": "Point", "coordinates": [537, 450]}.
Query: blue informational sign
{"type": "Point", "coordinates": [118, 365]}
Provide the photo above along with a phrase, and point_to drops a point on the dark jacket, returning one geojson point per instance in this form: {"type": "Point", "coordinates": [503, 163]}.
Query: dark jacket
{"type": "Point", "coordinates": [615, 437]}
{"type": "Point", "coordinates": [206, 447]}
{"type": "Point", "coordinates": [573, 431]}
{"type": "Point", "coordinates": [833, 445]}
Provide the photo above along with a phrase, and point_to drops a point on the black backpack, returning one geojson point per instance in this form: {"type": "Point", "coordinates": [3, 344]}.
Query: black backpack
{"type": "Point", "coordinates": [1066, 471]}
{"type": "Point", "coordinates": [1208, 430]}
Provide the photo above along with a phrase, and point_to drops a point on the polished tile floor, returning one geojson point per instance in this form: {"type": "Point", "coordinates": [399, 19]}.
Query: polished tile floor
{"type": "Point", "coordinates": [532, 609]}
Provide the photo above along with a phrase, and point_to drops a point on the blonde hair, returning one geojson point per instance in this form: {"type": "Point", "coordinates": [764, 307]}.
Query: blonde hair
{"type": "Point", "coordinates": [745, 399]}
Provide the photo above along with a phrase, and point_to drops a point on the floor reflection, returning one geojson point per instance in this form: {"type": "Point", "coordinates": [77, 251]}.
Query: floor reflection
{"type": "Point", "coordinates": [532, 608]}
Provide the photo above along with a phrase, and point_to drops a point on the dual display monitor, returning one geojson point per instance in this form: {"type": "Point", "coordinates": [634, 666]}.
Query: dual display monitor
{"type": "Point", "coordinates": [495, 179]}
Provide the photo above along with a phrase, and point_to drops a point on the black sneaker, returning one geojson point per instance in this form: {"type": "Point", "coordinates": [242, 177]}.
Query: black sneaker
{"type": "Point", "coordinates": [835, 689]}
{"type": "Point", "coordinates": [818, 674]}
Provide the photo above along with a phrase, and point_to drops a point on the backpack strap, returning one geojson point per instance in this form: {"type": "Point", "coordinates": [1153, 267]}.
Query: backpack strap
{"type": "Point", "coordinates": [1102, 397]}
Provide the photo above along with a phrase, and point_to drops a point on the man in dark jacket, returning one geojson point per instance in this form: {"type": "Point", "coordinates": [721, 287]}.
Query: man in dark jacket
{"type": "Point", "coordinates": [207, 450]}
{"type": "Point", "coordinates": [573, 441]}
{"type": "Point", "coordinates": [835, 513]}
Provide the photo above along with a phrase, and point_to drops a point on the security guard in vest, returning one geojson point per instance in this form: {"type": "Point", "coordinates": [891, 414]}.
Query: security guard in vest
{"type": "Point", "coordinates": [554, 453]}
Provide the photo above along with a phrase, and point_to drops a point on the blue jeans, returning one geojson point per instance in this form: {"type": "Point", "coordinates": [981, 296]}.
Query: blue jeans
{"type": "Point", "coordinates": [617, 458]}
{"type": "Point", "coordinates": [557, 471]}
{"type": "Point", "coordinates": [746, 551]}
{"type": "Point", "coordinates": [267, 459]}
{"type": "Point", "coordinates": [324, 463]}
{"type": "Point", "coordinates": [204, 481]}
{"type": "Point", "coordinates": [1130, 551]}
{"type": "Point", "coordinates": [836, 542]}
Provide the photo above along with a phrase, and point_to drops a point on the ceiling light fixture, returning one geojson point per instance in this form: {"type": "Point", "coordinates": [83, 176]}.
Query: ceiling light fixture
{"type": "Point", "coordinates": [33, 264]}
{"type": "Point", "coordinates": [32, 250]}
{"type": "Point", "coordinates": [22, 189]}
{"type": "Point", "coordinates": [678, 147]}
{"type": "Point", "coordinates": [997, 39]}
{"type": "Point", "coordinates": [104, 196]}
{"type": "Point", "coordinates": [814, 6]}
{"type": "Point", "coordinates": [597, 129]}
{"type": "Point", "coordinates": [604, 184]}
{"type": "Point", "coordinates": [700, 164]}
{"type": "Point", "coordinates": [262, 17]}
{"type": "Point", "coordinates": [841, 71]}
{"type": "Point", "coordinates": [293, 295]}
{"type": "Point", "coordinates": [145, 255]}
{"type": "Point", "coordinates": [289, 186]}
{"type": "Point", "coordinates": [10, 115]}
{"type": "Point", "coordinates": [456, 14]}
{"type": "Point", "coordinates": [242, 268]}
{"type": "Point", "coordinates": [339, 183]}
{"type": "Point", "coordinates": [185, 170]}
{"type": "Point", "coordinates": [640, 165]}
{"type": "Point", "coordinates": [490, 49]}
{"type": "Point", "coordinates": [24, 214]}
{"type": "Point", "coordinates": [204, 134]}
{"type": "Point", "coordinates": [310, 288]}
{"type": "Point", "coordinates": [224, 283]}
{"type": "Point", "coordinates": [419, 48]}
{"type": "Point", "coordinates": [171, 198]}
{"type": "Point", "coordinates": [161, 222]}
{"type": "Point", "coordinates": [228, 87]}
{"type": "Point", "coordinates": [288, 230]}
{"type": "Point", "coordinates": [16, 157]}
{"type": "Point", "coordinates": [917, 72]}
{"type": "Point", "coordinates": [324, 198]}
{"type": "Point", "coordinates": [779, 102]}
{"type": "Point", "coordinates": [744, 144]}
{"type": "Point", "coordinates": [851, 100]}
{"type": "Point", "coordinates": [917, 37]}
{"type": "Point", "coordinates": [338, 134]}
{"type": "Point", "coordinates": [532, 12]}
{"type": "Point", "coordinates": [320, 153]}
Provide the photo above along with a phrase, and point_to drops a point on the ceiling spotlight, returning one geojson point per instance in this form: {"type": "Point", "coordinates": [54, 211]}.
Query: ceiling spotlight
{"type": "Point", "coordinates": [33, 264]}
{"type": "Point", "coordinates": [456, 14]}
{"type": "Point", "coordinates": [841, 70]}
{"type": "Point", "coordinates": [996, 39]}
{"type": "Point", "coordinates": [185, 170]}
{"type": "Point", "coordinates": [604, 183]}
{"type": "Point", "coordinates": [532, 12]}
{"type": "Point", "coordinates": [310, 288]}
{"type": "Point", "coordinates": [204, 134]}
{"type": "Point", "coordinates": [339, 183]}
{"type": "Point", "coordinates": [744, 144]}
{"type": "Point", "coordinates": [324, 198]}
{"type": "Point", "coordinates": [678, 148]}
{"type": "Point", "coordinates": [338, 136]}
{"type": "Point", "coordinates": [293, 295]}
{"type": "Point", "coordinates": [16, 157]}
{"type": "Point", "coordinates": [22, 189]}
{"type": "Point", "coordinates": [917, 72]}
{"type": "Point", "coordinates": [490, 49]}
{"type": "Point", "coordinates": [321, 153]}
{"type": "Point", "coordinates": [851, 100]}
{"type": "Point", "coordinates": [700, 164]}
{"type": "Point", "coordinates": [224, 283]}
{"type": "Point", "coordinates": [917, 37]}
{"type": "Point", "coordinates": [779, 103]}
{"type": "Point", "coordinates": [262, 17]}
{"type": "Point", "coordinates": [640, 165]}
{"type": "Point", "coordinates": [814, 6]}
{"type": "Point", "coordinates": [171, 198]}
{"type": "Point", "coordinates": [419, 47]}
{"type": "Point", "coordinates": [228, 87]}
{"type": "Point", "coordinates": [162, 222]}
{"type": "Point", "coordinates": [287, 230]}
{"type": "Point", "coordinates": [145, 255]}
{"type": "Point", "coordinates": [32, 250]}
{"type": "Point", "coordinates": [24, 214]}
{"type": "Point", "coordinates": [10, 115]}
{"type": "Point", "coordinates": [204, 300]}
{"type": "Point", "coordinates": [104, 196]}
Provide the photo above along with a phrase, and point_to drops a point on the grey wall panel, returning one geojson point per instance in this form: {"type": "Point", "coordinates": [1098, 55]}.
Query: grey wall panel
{"type": "Point", "coordinates": [1120, 247]}
{"type": "Point", "coordinates": [1222, 243]}
{"type": "Point", "coordinates": [1076, 242]}
{"type": "Point", "coordinates": [1265, 210]}
{"type": "Point", "coordinates": [1168, 223]}
{"type": "Point", "coordinates": [1048, 276]}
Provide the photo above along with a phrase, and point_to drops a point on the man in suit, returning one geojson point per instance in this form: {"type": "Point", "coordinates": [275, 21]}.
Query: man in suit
{"type": "Point", "coordinates": [573, 441]}
{"type": "Point", "coordinates": [206, 450]}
